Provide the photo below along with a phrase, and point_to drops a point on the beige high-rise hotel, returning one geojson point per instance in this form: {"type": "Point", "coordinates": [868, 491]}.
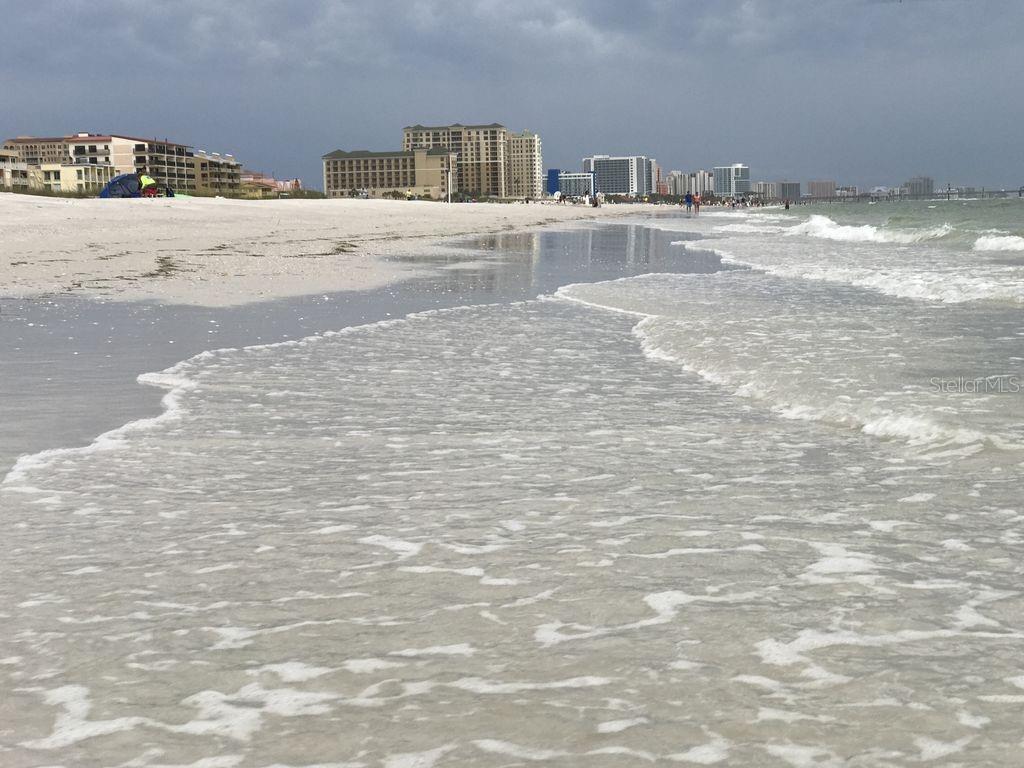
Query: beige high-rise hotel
{"type": "Point", "coordinates": [480, 167]}
{"type": "Point", "coordinates": [491, 161]}
{"type": "Point", "coordinates": [525, 173]}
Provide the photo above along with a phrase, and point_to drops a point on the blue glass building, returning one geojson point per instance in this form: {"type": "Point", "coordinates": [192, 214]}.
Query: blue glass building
{"type": "Point", "coordinates": [552, 185]}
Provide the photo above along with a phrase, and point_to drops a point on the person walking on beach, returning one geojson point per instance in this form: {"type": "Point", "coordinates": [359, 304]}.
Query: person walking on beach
{"type": "Point", "coordinates": [696, 205]}
{"type": "Point", "coordinates": [689, 201]}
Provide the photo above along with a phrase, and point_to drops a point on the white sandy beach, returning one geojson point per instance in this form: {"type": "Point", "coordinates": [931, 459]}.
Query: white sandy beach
{"type": "Point", "coordinates": [218, 252]}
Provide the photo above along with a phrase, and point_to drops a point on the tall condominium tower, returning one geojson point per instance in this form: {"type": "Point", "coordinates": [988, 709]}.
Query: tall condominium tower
{"type": "Point", "coordinates": [480, 149]}
{"type": "Point", "coordinates": [524, 174]}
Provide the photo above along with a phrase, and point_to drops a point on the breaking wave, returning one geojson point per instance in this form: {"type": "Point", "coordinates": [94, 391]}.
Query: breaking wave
{"type": "Point", "coordinates": [824, 228]}
{"type": "Point", "coordinates": [999, 243]}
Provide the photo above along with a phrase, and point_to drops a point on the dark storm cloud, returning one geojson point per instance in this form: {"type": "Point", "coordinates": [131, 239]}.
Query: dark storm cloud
{"type": "Point", "coordinates": [859, 90]}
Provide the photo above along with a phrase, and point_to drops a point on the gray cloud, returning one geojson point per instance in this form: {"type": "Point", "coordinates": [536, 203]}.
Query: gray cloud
{"type": "Point", "coordinates": [864, 91]}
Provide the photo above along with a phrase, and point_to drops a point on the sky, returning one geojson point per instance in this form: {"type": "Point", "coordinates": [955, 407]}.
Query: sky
{"type": "Point", "coordinates": [865, 92]}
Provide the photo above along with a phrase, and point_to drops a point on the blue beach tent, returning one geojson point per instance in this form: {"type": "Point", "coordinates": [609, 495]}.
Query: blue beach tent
{"type": "Point", "coordinates": [125, 185]}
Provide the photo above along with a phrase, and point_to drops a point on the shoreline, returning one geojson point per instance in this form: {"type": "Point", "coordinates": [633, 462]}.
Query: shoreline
{"type": "Point", "coordinates": [215, 252]}
{"type": "Point", "coordinates": [69, 365]}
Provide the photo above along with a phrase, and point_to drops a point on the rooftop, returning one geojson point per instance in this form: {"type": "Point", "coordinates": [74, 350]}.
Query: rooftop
{"type": "Point", "coordinates": [419, 127]}
{"type": "Point", "coordinates": [340, 154]}
{"type": "Point", "coordinates": [34, 140]}
{"type": "Point", "coordinates": [202, 154]}
{"type": "Point", "coordinates": [81, 137]}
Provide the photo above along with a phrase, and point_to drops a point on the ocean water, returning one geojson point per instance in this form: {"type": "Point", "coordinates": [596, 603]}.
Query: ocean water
{"type": "Point", "coordinates": [767, 515]}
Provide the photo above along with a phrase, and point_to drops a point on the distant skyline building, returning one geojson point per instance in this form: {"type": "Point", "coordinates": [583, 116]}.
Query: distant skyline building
{"type": "Point", "coordinates": [525, 173]}
{"type": "Point", "coordinates": [822, 188]}
{"type": "Point", "coordinates": [414, 172]}
{"type": "Point", "coordinates": [920, 186]}
{"type": "Point", "coordinates": [732, 180]}
{"type": "Point", "coordinates": [576, 184]}
{"type": "Point", "coordinates": [778, 190]}
{"type": "Point", "coordinates": [481, 151]}
{"type": "Point", "coordinates": [552, 183]}
{"type": "Point", "coordinates": [492, 161]}
{"type": "Point", "coordinates": [660, 180]}
{"type": "Point", "coordinates": [789, 190]}
{"type": "Point", "coordinates": [676, 183]}
{"type": "Point", "coordinates": [630, 175]}
{"type": "Point", "coordinates": [701, 182]}
{"type": "Point", "coordinates": [655, 176]}
{"type": "Point", "coordinates": [695, 182]}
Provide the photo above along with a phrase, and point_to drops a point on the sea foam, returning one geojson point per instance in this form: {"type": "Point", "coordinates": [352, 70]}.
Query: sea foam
{"type": "Point", "coordinates": [825, 228]}
{"type": "Point", "coordinates": [999, 243]}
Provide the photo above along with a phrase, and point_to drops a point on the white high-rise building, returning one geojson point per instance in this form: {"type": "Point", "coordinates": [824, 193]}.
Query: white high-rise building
{"type": "Point", "coordinates": [629, 175]}
{"type": "Point", "coordinates": [702, 182]}
{"type": "Point", "coordinates": [732, 180]}
{"type": "Point", "coordinates": [677, 183]}
{"type": "Point", "coordinates": [694, 183]}
{"type": "Point", "coordinates": [576, 184]}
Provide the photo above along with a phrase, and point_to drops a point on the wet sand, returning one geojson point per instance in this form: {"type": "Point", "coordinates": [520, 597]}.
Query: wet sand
{"type": "Point", "coordinates": [218, 253]}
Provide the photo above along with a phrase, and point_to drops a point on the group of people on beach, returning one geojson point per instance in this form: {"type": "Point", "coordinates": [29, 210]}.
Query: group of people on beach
{"type": "Point", "coordinates": [693, 202]}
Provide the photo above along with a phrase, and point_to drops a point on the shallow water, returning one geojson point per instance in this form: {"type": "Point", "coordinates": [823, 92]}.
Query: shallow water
{"type": "Point", "coordinates": [68, 365]}
{"type": "Point", "coordinates": [706, 518]}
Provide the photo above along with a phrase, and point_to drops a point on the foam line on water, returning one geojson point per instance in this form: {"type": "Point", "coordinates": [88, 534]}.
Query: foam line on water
{"type": "Point", "coordinates": [178, 384]}
{"type": "Point", "coordinates": [915, 430]}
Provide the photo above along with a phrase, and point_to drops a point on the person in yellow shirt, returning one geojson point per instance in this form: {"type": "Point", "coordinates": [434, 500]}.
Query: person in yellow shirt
{"type": "Point", "coordinates": [147, 185]}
